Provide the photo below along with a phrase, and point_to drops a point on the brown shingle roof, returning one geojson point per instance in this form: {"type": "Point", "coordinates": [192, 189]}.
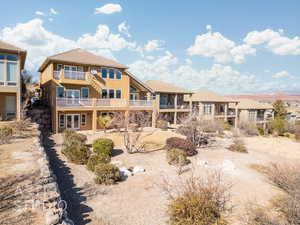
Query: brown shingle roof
{"type": "Point", "coordinates": [6, 46]}
{"type": "Point", "coordinates": [251, 104]}
{"type": "Point", "coordinates": [207, 96]}
{"type": "Point", "coordinates": [160, 86]}
{"type": "Point", "coordinates": [81, 56]}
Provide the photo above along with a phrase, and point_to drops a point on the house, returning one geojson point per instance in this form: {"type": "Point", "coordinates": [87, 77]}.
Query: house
{"type": "Point", "coordinates": [80, 87]}
{"type": "Point", "coordinates": [170, 104]}
{"type": "Point", "coordinates": [210, 105]}
{"type": "Point", "coordinates": [254, 111]}
{"type": "Point", "coordinates": [12, 61]}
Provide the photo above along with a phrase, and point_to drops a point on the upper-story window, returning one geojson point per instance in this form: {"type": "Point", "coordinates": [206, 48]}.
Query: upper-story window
{"type": "Point", "coordinates": [104, 72]}
{"type": "Point", "coordinates": [118, 74]}
{"type": "Point", "coordinates": [85, 92]}
{"type": "Point", "coordinates": [8, 70]}
{"type": "Point", "coordinates": [111, 73]}
{"type": "Point", "coordinates": [58, 67]}
{"type": "Point", "coordinates": [60, 92]}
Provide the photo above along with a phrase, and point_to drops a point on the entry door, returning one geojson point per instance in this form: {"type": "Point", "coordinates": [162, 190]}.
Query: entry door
{"type": "Point", "coordinates": [73, 121]}
{"type": "Point", "coordinates": [10, 107]}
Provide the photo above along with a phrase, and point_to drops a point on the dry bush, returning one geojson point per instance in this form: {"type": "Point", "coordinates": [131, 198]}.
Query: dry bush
{"type": "Point", "coordinates": [77, 154]}
{"type": "Point", "coordinates": [212, 126]}
{"type": "Point", "coordinates": [180, 143]}
{"type": "Point", "coordinates": [107, 174]}
{"type": "Point", "coordinates": [248, 128]}
{"type": "Point", "coordinates": [199, 201]}
{"type": "Point", "coordinates": [259, 168]}
{"type": "Point", "coordinates": [96, 159]}
{"type": "Point", "coordinates": [71, 138]}
{"type": "Point", "coordinates": [177, 157]}
{"type": "Point", "coordinates": [104, 122]}
{"type": "Point", "coordinates": [21, 126]}
{"type": "Point", "coordinates": [238, 146]}
{"type": "Point", "coordinates": [6, 134]}
{"type": "Point", "coordinates": [103, 146]}
{"type": "Point", "coordinates": [297, 132]}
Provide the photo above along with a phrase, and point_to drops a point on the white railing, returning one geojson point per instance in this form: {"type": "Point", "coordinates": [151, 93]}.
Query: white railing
{"type": "Point", "coordinates": [74, 75]}
{"type": "Point", "coordinates": [111, 103]}
{"type": "Point", "coordinates": [74, 102]}
{"type": "Point", "coordinates": [8, 83]}
{"type": "Point", "coordinates": [56, 75]}
{"type": "Point", "coordinates": [140, 103]}
{"type": "Point", "coordinates": [183, 106]}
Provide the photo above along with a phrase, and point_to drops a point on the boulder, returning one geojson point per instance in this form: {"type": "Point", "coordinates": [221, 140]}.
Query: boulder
{"type": "Point", "coordinates": [138, 169]}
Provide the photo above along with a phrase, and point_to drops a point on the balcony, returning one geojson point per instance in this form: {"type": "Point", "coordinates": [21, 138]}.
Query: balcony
{"type": "Point", "coordinates": [101, 103]}
{"type": "Point", "coordinates": [71, 75]}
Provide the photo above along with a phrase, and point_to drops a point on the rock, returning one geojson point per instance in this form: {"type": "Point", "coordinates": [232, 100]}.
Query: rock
{"type": "Point", "coordinates": [138, 169]}
{"type": "Point", "coordinates": [51, 218]}
{"type": "Point", "coordinates": [125, 173]}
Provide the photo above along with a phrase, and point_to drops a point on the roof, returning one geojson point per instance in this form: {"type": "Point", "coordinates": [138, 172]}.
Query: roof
{"type": "Point", "coordinates": [251, 104]}
{"type": "Point", "coordinates": [269, 97]}
{"type": "Point", "coordinates": [80, 56]}
{"type": "Point", "coordinates": [207, 96]}
{"type": "Point", "coordinates": [143, 84]}
{"type": "Point", "coordinates": [9, 47]}
{"type": "Point", "coordinates": [163, 87]}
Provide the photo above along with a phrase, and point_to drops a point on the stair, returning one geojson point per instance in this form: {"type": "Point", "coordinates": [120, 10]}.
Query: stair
{"type": "Point", "coordinates": [95, 83]}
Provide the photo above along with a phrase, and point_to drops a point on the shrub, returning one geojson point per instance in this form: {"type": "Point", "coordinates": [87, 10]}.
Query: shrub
{"type": "Point", "coordinates": [6, 133]}
{"type": "Point", "coordinates": [180, 143]}
{"type": "Point", "coordinates": [248, 128]}
{"type": "Point", "coordinates": [261, 131]}
{"type": "Point", "coordinates": [77, 154]}
{"type": "Point", "coordinates": [162, 124]}
{"type": "Point", "coordinates": [177, 157]}
{"type": "Point", "coordinates": [227, 126]}
{"type": "Point", "coordinates": [238, 146]}
{"type": "Point", "coordinates": [297, 132]}
{"type": "Point", "coordinates": [202, 201]}
{"type": "Point", "coordinates": [104, 122]}
{"type": "Point", "coordinates": [212, 126]}
{"type": "Point", "coordinates": [107, 174]}
{"type": "Point", "coordinates": [71, 138]}
{"type": "Point", "coordinates": [20, 126]}
{"type": "Point", "coordinates": [94, 160]}
{"type": "Point", "coordinates": [258, 215]}
{"type": "Point", "coordinates": [278, 126]}
{"type": "Point", "coordinates": [103, 145]}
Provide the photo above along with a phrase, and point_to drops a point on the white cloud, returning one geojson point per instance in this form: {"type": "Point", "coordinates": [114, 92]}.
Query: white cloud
{"type": "Point", "coordinates": [274, 41]}
{"type": "Point", "coordinates": [154, 45]}
{"type": "Point", "coordinates": [50, 19]}
{"type": "Point", "coordinates": [41, 43]}
{"type": "Point", "coordinates": [53, 12]}
{"type": "Point", "coordinates": [282, 74]}
{"type": "Point", "coordinates": [208, 27]}
{"type": "Point", "coordinates": [124, 28]}
{"type": "Point", "coordinates": [39, 13]}
{"type": "Point", "coordinates": [108, 9]}
{"type": "Point", "coordinates": [220, 48]}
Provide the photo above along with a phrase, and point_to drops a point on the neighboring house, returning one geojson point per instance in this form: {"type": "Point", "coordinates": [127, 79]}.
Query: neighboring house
{"type": "Point", "coordinates": [254, 111]}
{"type": "Point", "coordinates": [12, 60]}
{"type": "Point", "coordinates": [210, 105]}
{"type": "Point", "coordinates": [169, 100]}
{"type": "Point", "coordinates": [80, 86]}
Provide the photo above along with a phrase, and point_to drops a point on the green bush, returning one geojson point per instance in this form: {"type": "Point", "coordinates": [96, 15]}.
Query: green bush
{"type": "Point", "coordinates": [177, 157]}
{"type": "Point", "coordinates": [103, 145]}
{"type": "Point", "coordinates": [71, 138]}
{"type": "Point", "coordinates": [278, 126]}
{"type": "Point", "coordinates": [77, 154]}
{"type": "Point", "coordinates": [261, 131]}
{"type": "Point", "coordinates": [94, 160]}
{"type": "Point", "coordinates": [238, 146]}
{"type": "Point", "coordinates": [107, 174]}
{"type": "Point", "coordinates": [227, 126]}
{"type": "Point", "coordinates": [180, 143]}
{"type": "Point", "coordinates": [6, 134]}
{"type": "Point", "coordinates": [105, 122]}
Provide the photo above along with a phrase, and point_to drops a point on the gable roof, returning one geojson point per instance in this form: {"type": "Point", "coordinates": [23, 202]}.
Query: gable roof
{"type": "Point", "coordinates": [207, 96]}
{"type": "Point", "coordinates": [163, 87]}
{"type": "Point", "coordinates": [251, 104]}
{"type": "Point", "coordinates": [9, 47]}
{"type": "Point", "coordinates": [80, 56]}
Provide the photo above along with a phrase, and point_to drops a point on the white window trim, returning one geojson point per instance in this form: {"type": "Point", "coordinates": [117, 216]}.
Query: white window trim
{"type": "Point", "coordinates": [59, 121]}
{"type": "Point", "coordinates": [85, 122]}
{"type": "Point", "coordinates": [79, 122]}
{"type": "Point", "coordinates": [66, 90]}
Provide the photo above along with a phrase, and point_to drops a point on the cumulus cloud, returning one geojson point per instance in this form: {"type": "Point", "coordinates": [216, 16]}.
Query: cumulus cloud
{"type": "Point", "coordinates": [154, 45]}
{"type": "Point", "coordinates": [39, 13]}
{"type": "Point", "coordinates": [282, 74]}
{"type": "Point", "coordinates": [275, 41]}
{"type": "Point", "coordinates": [221, 49]}
{"type": "Point", "coordinates": [41, 43]}
{"type": "Point", "coordinates": [124, 28]}
{"type": "Point", "coordinates": [53, 12]}
{"type": "Point", "coordinates": [108, 9]}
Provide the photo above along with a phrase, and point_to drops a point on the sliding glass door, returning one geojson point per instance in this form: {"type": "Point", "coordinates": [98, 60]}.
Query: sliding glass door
{"type": "Point", "coordinates": [73, 121]}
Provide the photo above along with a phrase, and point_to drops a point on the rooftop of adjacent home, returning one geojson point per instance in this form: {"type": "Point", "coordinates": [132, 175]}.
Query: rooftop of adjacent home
{"type": "Point", "coordinates": [163, 87]}
{"type": "Point", "coordinates": [251, 104]}
{"type": "Point", "coordinates": [9, 48]}
{"type": "Point", "coordinates": [208, 96]}
{"type": "Point", "coordinates": [80, 56]}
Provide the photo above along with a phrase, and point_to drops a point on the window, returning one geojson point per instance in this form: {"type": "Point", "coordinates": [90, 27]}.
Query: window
{"type": "Point", "coordinates": [58, 67]}
{"type": "Point", "coordinates": [61, 121]}
{"type": "Point", "coordinates": [83, 119]}
{"type": "Point", "coordinates": [1, 71]}
{"type": "Point", "coordinates": [252, 115]}
{"type": "Point", "coordinates": [11, 72]}
{"type": "Point", "coordinates": [2, 56]}
{"type": "Point", "coordinates": [119, 74]}
{"type": "Point", "coordinates": [72, 93]}
{"type": "Point", "coordinates": [85, 92]}
{"type": "Point", "coordinates": [12, 58]}
{"type": "Point", "coordinates": [104, 93]}
{"type": "Point", "coordinates": [111, 93]}
{"type": "Point", "coordinates": [111, 73]}
{"type": "Point", "coordinates": [60, 92]}
{"type": "Point", "coordinates": [132, 89]}
{"type": "Point", "coordinates": [118, 94]}
{"type": "Point", "coordinates": [104, 72]}
{"type": "Point", "coordinates": [207, 109]}
{"type": "Point", "coordinates": [80, 69]}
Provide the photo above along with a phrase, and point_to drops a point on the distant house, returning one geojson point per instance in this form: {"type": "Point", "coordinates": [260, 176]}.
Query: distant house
{"type": "Point", "coordinates": [210, 105]}
{"type": "Point", "coordinates": [253, 111]}
{"type": "Point", "coordinates": [170, 103]}
{"type": "Point", "coordinates": [80, 87]}
{"type": "Point", "coordinates": [12, 61]}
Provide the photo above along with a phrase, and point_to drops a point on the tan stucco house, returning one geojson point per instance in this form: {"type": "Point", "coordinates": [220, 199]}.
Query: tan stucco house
{"type": "Point", "coordinates": [169, 101]}
{"type": "Point", "coordinates": [12, 61]}
{"type": "Point", "coordinates": [80, 86]}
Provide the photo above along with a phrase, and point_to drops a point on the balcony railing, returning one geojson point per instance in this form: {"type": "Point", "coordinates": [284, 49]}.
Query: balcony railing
{"type": "Point", "coordinates": [89, 102]}
{"type": "Point", "coordinates": [166, 106]}
{"type": "Point", "coordinates": [74, 75]}
{"type": "Point", "coordinates": [56, 75]}
{"type": "Point", "coordinates": [8, 83]}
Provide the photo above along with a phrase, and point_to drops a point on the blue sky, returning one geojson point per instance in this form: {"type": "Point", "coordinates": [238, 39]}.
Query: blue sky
{"type": "Point", "coordinates": [223, 46]}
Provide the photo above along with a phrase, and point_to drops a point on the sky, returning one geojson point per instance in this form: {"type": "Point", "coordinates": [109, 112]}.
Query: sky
{"type": "Point", "coordinates": [225, 46]}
